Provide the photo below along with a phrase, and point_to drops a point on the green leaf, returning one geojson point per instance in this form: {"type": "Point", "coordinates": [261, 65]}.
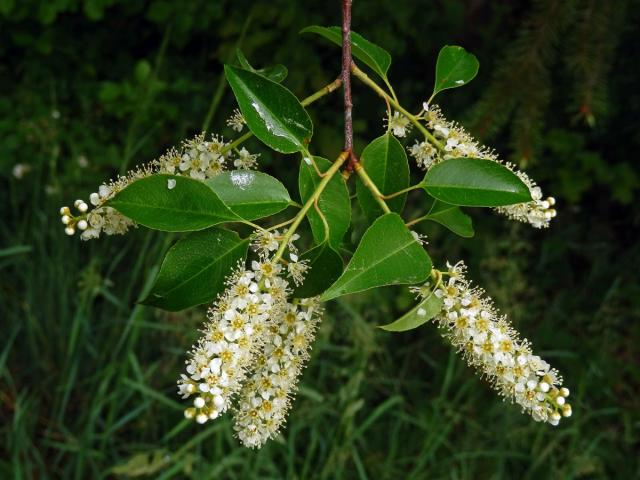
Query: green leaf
{"type": "Point", "coordinates": [455, 67]}
{"type": "Point", "coordinates": [325, 266]}
{"type": "Point", "coordinates": [421, 313]}
{"type": "Point", "coordinates": [386, 164]}
{"type": "Point", "coordinates": [334, 202]}
{"type": "Point", "coordinates": [277, 73]}
{"type": "Point", "coordinates": [375, 57]}
{"type": "Point", "coordinates": [250, 194]}
{"type": "Point", "coordinates": [474, 182]}
{"type": "Point", "coordinates": [271, 111]}
{"type": "Point", "coordinates": [172, 204]}
{"type": "Point", "coordinates": [194, 270]}
{"type": "Point", "coordinates": [451, 217]}
{"type": "Point", "coordinates": [388, 254]}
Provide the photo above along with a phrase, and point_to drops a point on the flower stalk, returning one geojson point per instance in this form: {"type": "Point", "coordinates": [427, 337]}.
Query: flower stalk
{"type": "Point", "coordinates": [328, 175]}
{"type": "Point", "coordinates": [380, 91]}
{"type": "Point", "coordinates": [366, 180]}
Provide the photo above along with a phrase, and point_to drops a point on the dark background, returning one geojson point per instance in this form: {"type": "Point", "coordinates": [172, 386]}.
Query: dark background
{"type": "Point", "coordinates": [87, 377]}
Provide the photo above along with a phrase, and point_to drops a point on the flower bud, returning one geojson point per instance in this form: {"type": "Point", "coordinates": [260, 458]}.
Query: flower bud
{"type": "Point", "coordinates": [201, 418]}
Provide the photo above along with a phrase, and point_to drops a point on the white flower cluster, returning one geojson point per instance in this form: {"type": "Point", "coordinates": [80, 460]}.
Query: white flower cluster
{"type": "Point", "coordinates": [265, 398]}
{"type": "Point", "coordinates": [490, 344]}
{"type": "Point", "coordinates": [538, 212]}
{"type": "Point", "coordinates": [266, 241]}
{"type": "Point", "coordinates": [457, 142]}
{"type": "Point", "coordinates": [253, 347]}
{"type": "Point", "coordinates": [197, 158]}
{"type": "Point", "coordinates": [232, 337]}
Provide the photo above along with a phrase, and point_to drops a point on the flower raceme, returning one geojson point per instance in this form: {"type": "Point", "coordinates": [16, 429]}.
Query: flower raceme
{"type": "Point", "coordinates": [219, 361]}
{"type": "Point", "coordinates": [253, 347]}
{"type": "Point", "coordinates": [490, 344]}
{"type": "Point", "coordinates": [197, 158]}
{"type": "Point", "coordinates": [456, 142]}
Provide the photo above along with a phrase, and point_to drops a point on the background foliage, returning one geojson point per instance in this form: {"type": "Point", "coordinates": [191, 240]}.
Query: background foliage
{"type": "Point", "coordinates": [87, 376]}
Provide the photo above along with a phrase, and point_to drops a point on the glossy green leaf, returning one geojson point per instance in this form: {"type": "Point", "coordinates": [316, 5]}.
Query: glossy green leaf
{"type": "Point", "coordinates": [272, 112]}
{"type": "Point", "coordinates": [277, 73]}
{"type": "Point", "coordinates": [455, 67]}
{"type": "Point", "coordinates": [334, 202]}
{"type": "Point", "coordinates": [375, 57]}
{"type": "Point", "coordinates": [194, 270]}
{"type": "Point", "coordinates": [418, 315]}
{"type": "Point", "coordinates": [475, 182]}
{"type": "Point", "coordinates": [325, 266]}
{"type": "Point", "coordinates": [451, 217]}
{"type": "Point", "coordinates": [250, 194]}
{"type": "Point", "coordinates": [172, 204]}
{"type": "Point", "coordinates": [385, 161]}
{"type": "Point", "coordinates": [388, 254]}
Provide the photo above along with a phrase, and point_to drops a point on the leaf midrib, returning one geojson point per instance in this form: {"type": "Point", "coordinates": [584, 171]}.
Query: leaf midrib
{"type": "Point", "coordinates": [258, 202]}
{"type": "Point", "coordinates": [374, 264]}
{"type": "Point", "coordinates": [459, 187]}
{"type": "Point", "coordinates": [170, 209]}
{"type": "Point", "coordinates": [446, 78]}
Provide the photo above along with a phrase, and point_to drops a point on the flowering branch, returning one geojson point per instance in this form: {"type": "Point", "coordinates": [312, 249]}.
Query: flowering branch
{"type": "Point", "coordinates": [262, 323]}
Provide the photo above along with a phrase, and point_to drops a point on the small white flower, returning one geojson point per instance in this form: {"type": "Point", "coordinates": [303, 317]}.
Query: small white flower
{"type": "Point", "coordinates": [421, 239]}
{"type": "Point", "coordinates": [399, 124]}
{"type": "Point", "coordinates": [246, 160]}
{"type": "Point", "coordinates": [236, 121]}
{"type": "Point", "coordinates": [297, 269]}
{"type": "Point", "coordinates": [424, 153]}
